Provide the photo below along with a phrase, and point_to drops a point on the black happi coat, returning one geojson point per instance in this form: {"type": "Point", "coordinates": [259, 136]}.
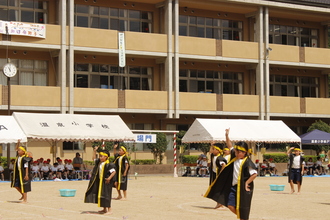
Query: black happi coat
{"type": "Point", "coordinates": [290, 167]}
{"type": "Point", "coordinates": [121, 162]}
{"type": "Point", "coordinates": [98, 191]}
{"type": "Point", "coordinates": [220, 188]}
{"type": "Point", "coordinates": [214, 175]}
{"type": "Point", "coordinates": [19, 174]}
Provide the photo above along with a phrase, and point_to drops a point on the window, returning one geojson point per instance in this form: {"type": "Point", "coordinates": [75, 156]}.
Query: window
{"type": "Point", "coordinates": [210, 81]}
{"type": "Point", "coordinates": [296, 36]}
{"type": "Point", "coordinates": [32, 11]}
{"type": "Point", "coordinates": [113, 18]}
{"type": "Point", "coordinates": [138, 126]}
{"type": "Point", "coordinates": [68, 145]}
{"type": "Point", "coordinates": [295, 86]}
{"type": "Point", "coordinates": [29, 72]}
{"type": "Point", "coordinates": [106, 76]}
{"type": "Point", "coordinates": [210, 28]}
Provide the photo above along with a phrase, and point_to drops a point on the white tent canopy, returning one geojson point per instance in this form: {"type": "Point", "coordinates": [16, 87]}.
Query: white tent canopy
{"type": "Point", "coordinates": [259, 131]}
{"type": "Point", "coordinates": [10, 131]}
{"type": "Point", "coordinates": [73, 127]}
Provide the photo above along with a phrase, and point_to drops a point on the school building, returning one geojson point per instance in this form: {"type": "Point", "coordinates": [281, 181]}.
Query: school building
{"type": "Point", "coordinates": [159, 64]}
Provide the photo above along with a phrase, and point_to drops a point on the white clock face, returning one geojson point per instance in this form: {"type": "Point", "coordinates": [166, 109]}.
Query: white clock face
{"type": "Point", "coordinates": [10, 70]}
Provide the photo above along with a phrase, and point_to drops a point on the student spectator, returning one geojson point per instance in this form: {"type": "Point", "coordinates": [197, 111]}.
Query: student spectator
{"type": "Point", "coordinates": [60, 170]}
{"type": "Point", "coordinates": [53, 171]}
{"type": "Point", "coordinates": [264, 168]}
{"type": "Point", "coordinates": [69, 169]}
{"type": "Point", "coordinates": [310, 166]}
{"type": "Point", "coordinates": [35, 170]}
{"type": "Point", "coordinates": [203, 167]}
{"type": "Point", "coordinates": [1, 172]}
{"type": "Point", "coordinates": [44, 171]}
{"type": "Point", "coordinates": [199, 162]}
{"type": "Point", "coordinates": [272, 167]}
{"type": "Point", "coordinates": [319, 167]}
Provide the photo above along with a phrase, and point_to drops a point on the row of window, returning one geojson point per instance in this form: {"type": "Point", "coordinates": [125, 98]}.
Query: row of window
{"type": "Point", "coordinates": [34, 72]}
{"type": "Point", "coordinates": [113, 18]}
{"type": "Point", "coordinates": [112, 77]}
{"type": "Point", "coordinates": [296, 36]}
{"type": "Point", "coordinates": [29, 72]}
{"type": "Point", "coordinates": [36, 11]}
{"type": "Point", "coordinates": [32, 11]}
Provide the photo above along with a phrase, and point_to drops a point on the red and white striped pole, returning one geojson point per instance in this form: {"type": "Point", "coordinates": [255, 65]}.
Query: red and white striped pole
{"type": "Point", "coordinates": [174, 146]}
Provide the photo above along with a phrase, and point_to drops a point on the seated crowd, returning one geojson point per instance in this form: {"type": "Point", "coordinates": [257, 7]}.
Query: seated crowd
{"type": "Point", "coordinates": [45, 170]}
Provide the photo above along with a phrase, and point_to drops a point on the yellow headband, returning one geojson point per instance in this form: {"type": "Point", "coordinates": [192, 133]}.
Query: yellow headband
{"type": "Point", "coordinates": [225, 149]}
{"type": "Point", "coordinates": [243, 149]}
{"type": "Point", "coordinates": [297, 149]}
{"type": "Point", "coordinates": [23, 149]}
{"type": "Point", "coordinates": [218, 148]}
{"type": "Point", "coordinates": [124, 149]}
{"type": "Point", "coordinates": [104, 154]}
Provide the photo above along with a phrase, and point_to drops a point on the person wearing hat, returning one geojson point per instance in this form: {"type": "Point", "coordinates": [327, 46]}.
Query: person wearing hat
{"type": "Point", "coordinates": [296, 168]}
{"type": "Point", "coordinates": [122, 168]}
{"type": "Point", "coordinates": [234, 187]}
{"type": "Point", "coordinates": [69, 169]}
{"type": "Point", "coordinates": [21, 180]}
{"type": "Point", "coordinates": [101, 183]}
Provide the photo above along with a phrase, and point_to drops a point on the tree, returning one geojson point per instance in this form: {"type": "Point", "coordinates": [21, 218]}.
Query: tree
{"type": "Point", "coordinates": [322, 126]}
{"type": "Point", "coordinates": [179, 143]}
{"type": "Point", "coordinates": [108, 145]}
{"type": "Point", "coordinates": [158, 148]}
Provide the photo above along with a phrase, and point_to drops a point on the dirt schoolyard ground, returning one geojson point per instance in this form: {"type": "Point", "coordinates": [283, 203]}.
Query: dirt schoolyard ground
{"type": "Point", "coordinates": [158, 197]}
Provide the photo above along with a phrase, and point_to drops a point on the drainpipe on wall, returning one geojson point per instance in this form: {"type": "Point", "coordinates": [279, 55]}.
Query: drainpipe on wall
{"type": "Point", "coordinates": [176, 60]}
{"type": "Point", "coordinates": [169, 61]}
{"type": "Point", "coordinates": [260, 67]}
{"type": "Point", "coordinates": [71, 57]}
{"type": "Point", "coordinates": [62, 57]}
{"type": "Point", "coordinates": [267, 51]}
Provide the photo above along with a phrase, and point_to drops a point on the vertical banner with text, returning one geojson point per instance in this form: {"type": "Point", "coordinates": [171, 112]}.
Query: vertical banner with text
{"type": "Point", "coordinates": [121, 49]}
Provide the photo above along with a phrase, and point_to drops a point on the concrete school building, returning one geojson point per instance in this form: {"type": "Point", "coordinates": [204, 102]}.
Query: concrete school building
{"type": "Point", "coordinates": [185, 59]}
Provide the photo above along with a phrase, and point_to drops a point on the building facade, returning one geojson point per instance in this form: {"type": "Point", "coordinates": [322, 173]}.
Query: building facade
{"type": "Point", "coordinates": [246, 59]}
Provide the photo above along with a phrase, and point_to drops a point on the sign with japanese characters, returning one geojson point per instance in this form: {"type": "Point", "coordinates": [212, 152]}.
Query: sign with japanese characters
{"type": "Point", "coordinates": [121, 49]}
{"type": "Point", "coordinates": [145, 138]}
{"type": "Point", "coordinates": [23, 29]}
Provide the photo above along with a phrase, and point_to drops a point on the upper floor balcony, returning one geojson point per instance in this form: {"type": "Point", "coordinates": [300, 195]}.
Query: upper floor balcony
{"type": "Point", "coordinates": [36, 98]}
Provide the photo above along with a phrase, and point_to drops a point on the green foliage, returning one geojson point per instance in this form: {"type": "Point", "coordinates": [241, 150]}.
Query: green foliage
{"type": "Point", "coordinates": [314, 158]}
{"type": "Point", "coordinates": [204, 147]}
{"type": "Point", "coordinates": [188, 158]}
{"type": "Point", "coordinates": [143, 162]}
{"type": "Point", "coordinates": [4, 161]}
{"type": "Point", "coordinates": [277, 157]}
{"type": "Point", "coordinates": [179, 137]}
{"type": "Point", "coordinates": [158, 148]}
{"type": "Point", "coordinates": [320, 125]}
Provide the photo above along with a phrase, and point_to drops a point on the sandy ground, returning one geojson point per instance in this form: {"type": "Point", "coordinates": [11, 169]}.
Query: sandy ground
{"type": "Point", "coordinates": [165, 197]}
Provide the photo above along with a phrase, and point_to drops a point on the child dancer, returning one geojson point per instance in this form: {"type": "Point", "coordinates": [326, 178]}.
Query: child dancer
{"type": "Point", "coordinates": [100, 185]}
{"type": "Point", "coordinates": [234, 185]}
{"type": "Point", "coordinates": [21, 175]}
{"type": "Point", "coordinates": [122, 167]}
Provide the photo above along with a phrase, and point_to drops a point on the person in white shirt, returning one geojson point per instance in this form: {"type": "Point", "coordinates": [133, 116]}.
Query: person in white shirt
{"type": "Point", "coordinates": [296, 168]}
{"type": "Point", "coordinates": [272, 167]}
{"type": "Point", "coordinates": [319, 166]}
{"type": "Point", "coordinates": [60, 170]}
{"type": "Point", "coordinates": [35, 170]}
{"type": "Point", "coordinates": [237, 176]}
{"type": "Point", "coordinates": [44, 170]}
{"type": "Point", "coordinates": [69, 168]}
{"type": "Point", "coordinates": [203, 167]}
